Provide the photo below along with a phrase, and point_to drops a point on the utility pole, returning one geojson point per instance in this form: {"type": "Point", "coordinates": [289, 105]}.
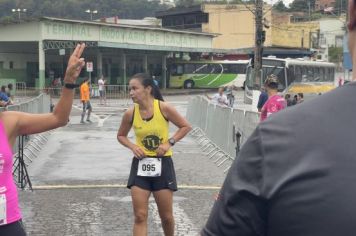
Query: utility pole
{"type": "Point", "coordinates": [259, 39]}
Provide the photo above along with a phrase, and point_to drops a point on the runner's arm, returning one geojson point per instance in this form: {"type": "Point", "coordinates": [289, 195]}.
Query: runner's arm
{"type": "Point", "coordinates": [123, 131]}
{"type": "Point", "coordinates": [26, 123]}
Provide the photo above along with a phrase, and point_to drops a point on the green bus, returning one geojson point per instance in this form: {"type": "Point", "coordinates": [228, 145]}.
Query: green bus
{"type": "Point", "coordinates": [207, 74]}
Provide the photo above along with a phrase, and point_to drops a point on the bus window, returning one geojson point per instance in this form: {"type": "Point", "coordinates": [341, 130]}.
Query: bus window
{"type": "Point", "coordinates": [177, 69]}
{"type": "Point", "coordinates": [330, 74]}
{"type": "Point", "coordinates": [215, 68]}
{"type": "Point", "coordinates": [241, 69]}
{"type": "Point", "coordinates": [201, 69]}
{"type": "Point", "coordinates": [228, 69]}
{"type": "Point", "coordinates": [290, 75]}
{"type": "Point", "coordinates": [298, 74]}
{"type": "Point", "coordinates": [317, 77]}
{"type": "Point", "coordinates": [189, 69]}
{"type": "Point", "coordinates": [322, 74]}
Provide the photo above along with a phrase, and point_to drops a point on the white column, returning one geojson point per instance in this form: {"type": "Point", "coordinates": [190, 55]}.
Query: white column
{"type": "Point", "coordinates": [145, 63]}
{"type": "Point", "coordinates": [42, 65]}
{"type": "Point", "coordinates": [99, 64]}
{"type": "Point", "coordinates": [164, 71]}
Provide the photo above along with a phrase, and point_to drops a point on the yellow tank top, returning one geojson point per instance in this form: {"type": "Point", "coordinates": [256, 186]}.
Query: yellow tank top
{"type": "Point", "coordinates": [151, 133]}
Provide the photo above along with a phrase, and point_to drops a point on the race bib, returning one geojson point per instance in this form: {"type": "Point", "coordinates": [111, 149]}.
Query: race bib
{"type": "Point", "coordinates": [149, 167]}
{"type": "Point", "coordinates": [2, 209]}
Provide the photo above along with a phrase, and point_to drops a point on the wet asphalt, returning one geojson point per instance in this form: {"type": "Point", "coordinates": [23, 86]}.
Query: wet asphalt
{"type": "Point", "coordinates": [79, 179]}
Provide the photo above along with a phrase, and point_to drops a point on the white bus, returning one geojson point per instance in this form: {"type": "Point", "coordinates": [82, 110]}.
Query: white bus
{"type": "Point", "coordinates": [294, 75]}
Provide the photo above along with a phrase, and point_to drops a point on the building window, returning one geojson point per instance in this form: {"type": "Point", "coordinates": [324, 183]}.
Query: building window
{"type": "Point", "coordinates": [202, 18]}
{"type": "Point", "coordinates": [11, 65]}
{"type": "Point", "coordinates": [189, 20]}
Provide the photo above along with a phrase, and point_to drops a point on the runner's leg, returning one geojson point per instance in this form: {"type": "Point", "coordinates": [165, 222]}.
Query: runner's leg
{"type": "Point", "coordinates": [164, 200]}
{"type": "Point", "coordinates": [140, 206]}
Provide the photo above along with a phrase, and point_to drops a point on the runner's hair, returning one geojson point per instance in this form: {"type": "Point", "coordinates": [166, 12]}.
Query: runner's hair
{"type": "Point", "coordinates": [146, 80]}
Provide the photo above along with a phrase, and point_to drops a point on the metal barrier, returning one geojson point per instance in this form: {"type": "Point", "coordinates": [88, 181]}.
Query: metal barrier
{"type": "Point", "coordinates": [114, 92]}
{"type": "Point", "coordinates": [28, 147]}
{"type": "Point", "coordinates": [220, 130]}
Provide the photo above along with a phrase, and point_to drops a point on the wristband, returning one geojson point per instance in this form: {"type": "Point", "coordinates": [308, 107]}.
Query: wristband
{"type": "Point", "coordinates": [71, 86]}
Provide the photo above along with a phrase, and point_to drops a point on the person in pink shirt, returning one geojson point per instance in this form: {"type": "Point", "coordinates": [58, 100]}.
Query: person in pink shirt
{"type": "Point", "coordinates": [13, 124]}
{"type": "Point", "coordinates": [275, 102]}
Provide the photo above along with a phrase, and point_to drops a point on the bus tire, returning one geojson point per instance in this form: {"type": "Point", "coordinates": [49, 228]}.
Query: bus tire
{"type": "Point", "coordinates": [188, 84]}
{"type": "Point", "coordinates": [243, 86]}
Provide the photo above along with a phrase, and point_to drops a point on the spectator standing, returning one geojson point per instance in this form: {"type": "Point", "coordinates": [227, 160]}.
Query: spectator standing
{"type": "Point", "coordinates": [102, 90]}
{"type": "Point", "coordinates": [288, 100]}
{"type": "Point", "coordinates": [9, 91]}
{"type": "Point", "coordinates": [300, 97]}
{"type": "Point", "coordinates": [262, 99]}
{"type": "Point", "coordinates": [275, 102]}
{"type": "Point", "coordinates": [219, 98]}
{"type": "Point", "coordinates": [85, 99]}
{"type": "Point", "coordinates": [4, 99]}
{"type": "Point", "coordinates": [289, 179]}
{"type": "Point", "coordinates": [230, 96]}
{"type": "Point", "coordinates": [155, 81]}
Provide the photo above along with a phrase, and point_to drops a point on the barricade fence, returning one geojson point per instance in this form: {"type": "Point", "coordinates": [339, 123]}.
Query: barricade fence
{"type": "Point", "coordinates": [220, 129]}
{"type": "Point", "coordinates": [118, 93]}
{"type": "Point", "coordinates": [111, 91]}
{"type": "Point", "coordinates": [27, 147]}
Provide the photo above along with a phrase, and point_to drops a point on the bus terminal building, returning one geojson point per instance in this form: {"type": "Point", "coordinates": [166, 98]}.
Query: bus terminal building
{"type": "Point", "coordinates": [36, 52]}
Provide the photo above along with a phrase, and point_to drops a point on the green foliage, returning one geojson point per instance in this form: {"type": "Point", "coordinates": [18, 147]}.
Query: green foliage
{"type": "Point", "coordinates": [187, 3]}
{"type": "Point", "coordinates": [335, 54]}
{"type": "Point", "coordinates": [302, 5]}
{"type": "Point", "coordinates": [75, 9]}
{"type": "Point", "coordinates": [279, 6]}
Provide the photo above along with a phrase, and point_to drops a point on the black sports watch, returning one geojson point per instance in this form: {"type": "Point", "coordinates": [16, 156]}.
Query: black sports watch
{"type": "Point", "coordinates": [171, 141]}
{"type": "Point", "coordinates": [71, 86]}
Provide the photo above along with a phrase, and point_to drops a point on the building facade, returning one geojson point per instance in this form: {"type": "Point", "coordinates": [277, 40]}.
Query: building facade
{"type": "Point", "coordinates": [37, 51]}
{"type": "Point", "coordinates": [234, 24]}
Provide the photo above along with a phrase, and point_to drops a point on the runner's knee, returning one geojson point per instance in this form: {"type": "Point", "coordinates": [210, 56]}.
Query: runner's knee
{"type": "Point", "coordinates": [140, 217]}
{"type": "Point", "coordinates": [167, 218]}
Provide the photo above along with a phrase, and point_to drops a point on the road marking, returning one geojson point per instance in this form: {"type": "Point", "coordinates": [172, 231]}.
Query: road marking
{"type": "Point", "coordinates": [88, 186]}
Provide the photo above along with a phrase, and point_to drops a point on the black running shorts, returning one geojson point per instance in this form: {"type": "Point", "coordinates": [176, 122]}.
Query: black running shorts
{"type": "Point", "coordinates": [13, 229]}
{"type": "Point", "coordinates": [167, 180]}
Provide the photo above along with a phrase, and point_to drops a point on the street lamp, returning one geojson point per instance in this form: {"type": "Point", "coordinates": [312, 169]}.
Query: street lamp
{"type": "Point", "coordinates": [91, 12]}
{"type": "Point", "coordinates": [19, 10]}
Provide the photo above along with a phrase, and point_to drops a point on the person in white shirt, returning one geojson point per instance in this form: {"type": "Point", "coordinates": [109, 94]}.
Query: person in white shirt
{"type": "Point", "coordinates": [219, 98]}
{"type": "Point", "coordinates": [102, 93]}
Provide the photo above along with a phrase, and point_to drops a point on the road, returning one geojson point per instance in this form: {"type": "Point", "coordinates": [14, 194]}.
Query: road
{"type": "Point", "coordinates": [81, 173]}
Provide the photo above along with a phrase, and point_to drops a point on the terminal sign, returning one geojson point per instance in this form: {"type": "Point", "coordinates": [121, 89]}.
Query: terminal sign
{"type": "Point", "coordinates": [89, 66]}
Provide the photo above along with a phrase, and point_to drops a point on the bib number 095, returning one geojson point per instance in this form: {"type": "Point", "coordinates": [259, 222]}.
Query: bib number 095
{"type": "Point", "coordinates": [149, 167]}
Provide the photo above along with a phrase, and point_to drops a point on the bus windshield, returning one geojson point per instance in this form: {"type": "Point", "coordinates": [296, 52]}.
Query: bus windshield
{"type": "Point", "coordinates": [266, 70]}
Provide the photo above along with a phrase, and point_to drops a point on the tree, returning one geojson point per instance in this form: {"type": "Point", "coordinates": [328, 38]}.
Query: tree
{"type": "Point", "coordinates": [187, 3]}
{"type": "Point", "coordinates": [302, 5]}
{"type": "Point", "coordinates": [133, 9]}
{"type": "Point", "coordinates": [279, 6]}
{"type": "Point", "coordinates": [335, 54]}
